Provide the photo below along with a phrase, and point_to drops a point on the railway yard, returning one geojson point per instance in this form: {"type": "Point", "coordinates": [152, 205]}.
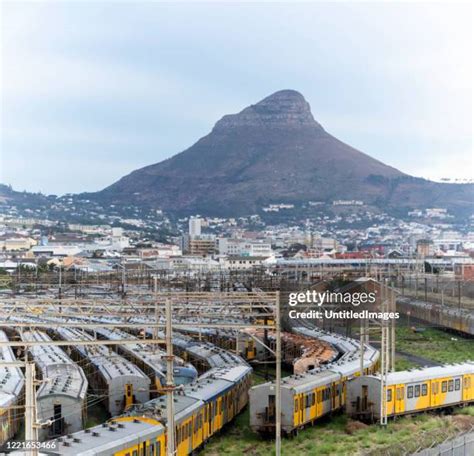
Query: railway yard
{"type": "Point", "coordinates": [221, 370]}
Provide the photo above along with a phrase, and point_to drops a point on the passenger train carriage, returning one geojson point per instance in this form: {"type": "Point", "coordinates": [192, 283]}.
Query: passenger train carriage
{"type": "Point", "coordinates": [61, 398]}
{"type": "Point", "coordinates": [411, 391]}
{"type": "Point", "coordinates": [150, 359]}
{"type": "Point", "coordinates": [201, 409]}
{"type": "Point", "coordinates": [307, 397]}
{"type": "Point", "coordinates": [124, 383]}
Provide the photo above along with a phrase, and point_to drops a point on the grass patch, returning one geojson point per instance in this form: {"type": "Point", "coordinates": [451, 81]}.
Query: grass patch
{"type": "Point", "coordinates": [435, 345]}
{"type": "Point", "coordinates": [401, 363]}
{"type": "Point", "coordinates": [331, 436]}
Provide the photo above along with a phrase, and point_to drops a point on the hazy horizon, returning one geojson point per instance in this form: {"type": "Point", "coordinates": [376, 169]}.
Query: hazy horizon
{"type": "Point", "coordinates": [93, 91]}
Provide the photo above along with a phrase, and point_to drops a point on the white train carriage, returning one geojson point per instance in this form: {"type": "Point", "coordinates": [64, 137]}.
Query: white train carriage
{"type": "Point", "coordinates": [150, 358]}
{"type": "Point", "coordinates": [12, 383]}
{"type": "Point", "coordinates": [119, 437]}
{"type": "Point", "coordinates": [411, 391]}
{"type": "Point", "coordinates": [124, 383]}
{"type": "Point", "coordinates": [203, 355]}
{"type": "Point", "coordinates": [61, 397]}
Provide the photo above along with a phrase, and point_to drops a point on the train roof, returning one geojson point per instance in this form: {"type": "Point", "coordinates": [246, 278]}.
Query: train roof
{"type": "Point", "coordinates": [184, 406]}
{"type": "Point", "coordinates": [427, 373]}
{"type": "Point", "coordinates": [110, 364]}
{"type": "Point", "coordinates": [302, 382]}
{"type": "Point", "coordinates": [206, 389]}
{"type": "Point", "coordinates": [229, 373]}
{"type": "Point", "coordinates": [61, 375]}
{"type": "Point", "coordinates": [11, 378]}
{"type": "Point", "coordinates": [209, 353]}
{"type": "Point", "coordinates": [107, 438]}
{"type": "Point", "coordinates": [151, 355]}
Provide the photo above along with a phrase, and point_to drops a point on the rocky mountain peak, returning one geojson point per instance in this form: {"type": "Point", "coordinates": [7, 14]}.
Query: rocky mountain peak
{"type": "Point", "coordinates": [285, 108]}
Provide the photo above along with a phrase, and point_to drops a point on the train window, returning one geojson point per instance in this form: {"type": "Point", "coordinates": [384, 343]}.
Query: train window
{"type": "Point", "coordinates": [296, 405]}
{"type": "Point", "coordinates": [313, 399]}
{"type": "Point", "coordinates": [444, 386]}
{"type": "Point", "coordinates": [308, 400]}
{"type": "Point", "coordinates": [457, 384]}
{"type": "Point", "coordinates": [135, 453]}
{"type": "Point", "coordinates": [417, 390]}
{"type": "Point", "coordinates": [424, 389]}
{"type": "Point", "coordinates": [389, 395]}
{"type": "Point", "coordinates": [158, 448]}
{"type": "Point", "coordinates": [151, 449]}
{"type": "Point", "coordinates": [410, 392]}
{"type": "Point", "coordinates": [450, 385]}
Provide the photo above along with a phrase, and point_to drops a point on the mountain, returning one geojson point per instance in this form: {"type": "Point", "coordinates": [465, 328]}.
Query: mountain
{"type": "Point", "coordinates": [274, 152]}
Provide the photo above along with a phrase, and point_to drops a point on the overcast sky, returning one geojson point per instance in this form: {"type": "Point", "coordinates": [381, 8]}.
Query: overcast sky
{"type": "Point", "coordinates": [92, 91]}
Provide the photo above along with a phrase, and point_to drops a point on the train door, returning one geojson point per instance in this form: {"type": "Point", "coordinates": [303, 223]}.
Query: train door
{"type": "Point", "coordinates": [333, 396]}
{"type": "Point", "coordinates": [271, 417]}
{"type": "Point", "coordinates": [250, 349]}
{"type": "Point", "coordinates": [220, 415]}
{"type": "Point", "coordinates": [296, 411]}
{"type": "Point", "coordinates": [319, 401]}
{"type": "Point", "coordinates": [390, 399]}
{"type": "Point", "coordinates": [435, 394]}
{"type": "Point", "coordinates": [400, 399]}
{"type": "Point", "coordinates": [58, 421]}
{"type": "Point", "coordinates": [467, 387]}
{"type": "Point", "coordinates": [128, 395]}
{"type": "Point", "coordinates": [302, 409]}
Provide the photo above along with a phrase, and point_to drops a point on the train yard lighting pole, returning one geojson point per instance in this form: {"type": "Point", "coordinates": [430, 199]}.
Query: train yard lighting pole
{"type": "Point", "coordinates": [31, 430]}
{"type": "Point", "coordinates": [384, 355]}
{"type": "Point", "coordinates": [393, 305]}
{"type": "Point", "coordinates": [278, 376]}
{"type": "Point", "coordinates": [362, 339]}
{"type": "Point", "coordinates": [169, 381]}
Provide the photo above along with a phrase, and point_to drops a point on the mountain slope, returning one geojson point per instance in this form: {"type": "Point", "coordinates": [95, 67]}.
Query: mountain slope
{"type": "Point", "coordinates": [271, 152]}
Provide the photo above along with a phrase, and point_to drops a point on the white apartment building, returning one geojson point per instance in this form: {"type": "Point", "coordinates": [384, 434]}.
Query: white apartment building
{"type": "Point", "coordinates": [243, 247]}
{"type": "Point", "coordinates": [194, 227]}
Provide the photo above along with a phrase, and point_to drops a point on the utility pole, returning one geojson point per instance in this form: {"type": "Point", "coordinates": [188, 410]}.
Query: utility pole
{"type": "Point", "coordinates": [362, 340]}
{"type": "Point", "coordinates": [278, 377]}
{"type": "Point", "coordinates": [170, 450]}
{"type": "Point", "coordinates": [384, 361]}
{"type": "Point", "coordinates": [155, 329]}
{"type": "Point", "coordinates": [31, 431]}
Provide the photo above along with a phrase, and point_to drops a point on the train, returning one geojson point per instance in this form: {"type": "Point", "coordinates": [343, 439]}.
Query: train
{"type": "Point", "coordinates": [12, 384]}
{"type": "Point", "coordinates": [201, 409]}
{"type": "Point", "coordinates": [309, 396]}
{"type": "Point", "coordinates": [150, 359]}
{"type": "Point", "coordinates": [457, 319]}
{"type": "Point", "coordinates": [119, 381]}
{"type": "Point", "coordinates": [412, 391]}
{"type": "Point", "coordinates": [61, 398]}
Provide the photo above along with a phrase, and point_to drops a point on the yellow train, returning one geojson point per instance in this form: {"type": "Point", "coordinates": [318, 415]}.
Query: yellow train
{"type": "Point", "coordinates": [201, 409]}
{"type": "Point", "coordinates": [411, 391]}
{"type": "Point", "coordinates": [307, 397]}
